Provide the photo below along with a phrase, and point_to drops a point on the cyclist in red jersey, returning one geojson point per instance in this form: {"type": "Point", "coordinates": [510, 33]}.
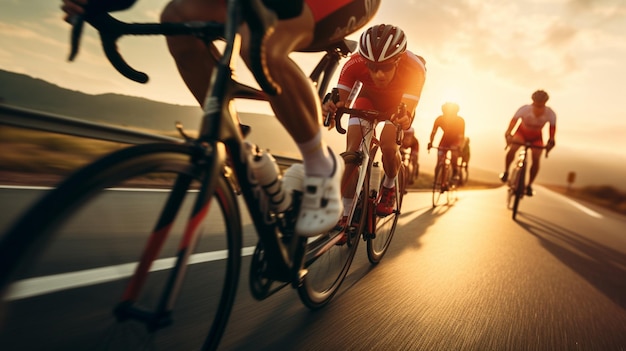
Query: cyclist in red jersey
{"type": "Point", "coordinates": [391, 75]}
{"type": "Point", "coordinates": [453, 127]}
{"type": "Point", "coordinates": [303, 25]}
{"type": "Point", "coordinates": [530, 120]}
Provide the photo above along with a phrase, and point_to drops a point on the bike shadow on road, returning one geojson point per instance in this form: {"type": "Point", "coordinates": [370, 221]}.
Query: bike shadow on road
{"type": "Point", "coordinates": [416, 222]}
{"type": "Point", "coordinates": [601, 266]}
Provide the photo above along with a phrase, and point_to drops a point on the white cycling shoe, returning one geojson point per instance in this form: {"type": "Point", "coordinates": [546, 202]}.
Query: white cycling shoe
{"type": "Point", "coordinates": [321, 205]}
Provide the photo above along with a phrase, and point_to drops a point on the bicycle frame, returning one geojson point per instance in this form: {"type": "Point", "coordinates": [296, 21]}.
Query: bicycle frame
{"type": "Point", "coordinates": [517, 181]}
{"type": "Point", "coordinates": [221, 138]}
{"type": "Point", "coordinates": [445, 160]}
{"type": "Point", "coordinates": [447, 184]}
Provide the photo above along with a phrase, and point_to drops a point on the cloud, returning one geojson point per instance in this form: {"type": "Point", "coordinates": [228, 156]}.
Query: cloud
{"type": "Point", "coordinates": [544, 41]}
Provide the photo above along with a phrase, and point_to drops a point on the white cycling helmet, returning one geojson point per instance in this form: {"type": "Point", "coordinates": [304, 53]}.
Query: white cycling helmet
{"type": "Point", "coordinates": [382, 43]}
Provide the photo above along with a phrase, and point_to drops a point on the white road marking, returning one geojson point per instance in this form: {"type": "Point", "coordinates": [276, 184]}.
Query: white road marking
{"type": "Point", "coordinates": [582, 208]}
{"type": "Point", "coordinates": [44, 285]}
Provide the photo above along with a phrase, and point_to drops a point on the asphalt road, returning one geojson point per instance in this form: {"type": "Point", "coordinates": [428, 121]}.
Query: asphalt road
{"type": "Point", "coordinates": [459, 277]}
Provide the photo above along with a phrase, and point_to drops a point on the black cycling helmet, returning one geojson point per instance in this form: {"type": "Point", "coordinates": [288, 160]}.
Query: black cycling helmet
{"type": "Point", "coordinates": [382, 43]}
{"type": "Point", "coordinates": [450, 108]}
{"type": "Point", "coordinates": [540, 97]}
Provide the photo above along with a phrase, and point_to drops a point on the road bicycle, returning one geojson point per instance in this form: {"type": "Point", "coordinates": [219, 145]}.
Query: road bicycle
{"type": "Point", "coordinates": [443, 180]}
{"type": "Point", "coordinates": [517, 180]}
{"type": "Point", "coordinates": [195, 228]}
{"type": "Point", "coordinates": [362, 220]}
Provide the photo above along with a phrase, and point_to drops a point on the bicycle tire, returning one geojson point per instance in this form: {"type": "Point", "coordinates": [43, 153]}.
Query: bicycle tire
{"type": "Point", "coordinates": [437, 181]}
{"type": "Point", "coordinates": [326, 272]}
{"type": "Point", "coordinates": [62, 221]}
{"type": "Point", "coordinates": [385, 227]}
{"type": "Point", "coordinates": [519, 190]}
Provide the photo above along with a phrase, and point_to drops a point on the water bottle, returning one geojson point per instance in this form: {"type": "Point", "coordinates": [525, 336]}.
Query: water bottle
{"type": "Point", "coordinates": [267, 174]}
{"type": "Point", "coordinates": [375, 177]}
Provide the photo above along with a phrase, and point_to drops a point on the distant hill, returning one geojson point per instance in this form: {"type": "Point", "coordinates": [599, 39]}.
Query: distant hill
{"type": "Point", "coordinates": [25, 91]}
{"type": "Point", "coordinates": [122, 110]}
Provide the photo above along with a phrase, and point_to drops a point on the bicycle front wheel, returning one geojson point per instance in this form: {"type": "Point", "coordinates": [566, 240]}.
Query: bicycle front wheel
{"type": "Point", "coordinates": [511, 186]}
{"type": "Point", "coordinates": [385, 226]}
{"type": "Point", "coordinates": [519, 190]}
{"type": "Point", "coordinates": [329, 255]}
{"type": "Point", "coordinates": [79, 293]}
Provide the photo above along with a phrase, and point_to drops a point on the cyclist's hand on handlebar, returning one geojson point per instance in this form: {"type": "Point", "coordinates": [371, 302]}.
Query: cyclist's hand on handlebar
{"type": "Point", "coordinates": [430, 146]}
{"type": "Point", "coordinates": [331, 107]}
{"type": "Point", "coordinates": [550, 145]}
{"type": "Point", "coordinates": [403, 119]}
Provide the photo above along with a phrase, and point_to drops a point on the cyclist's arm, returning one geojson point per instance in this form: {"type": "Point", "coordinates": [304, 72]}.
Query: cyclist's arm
{"type": "Point", "coordinates": [513, 124]}
{"type": "Point", "coordinates": [552, 121]}
{"type": "Point", "coordinates": [434, 131]}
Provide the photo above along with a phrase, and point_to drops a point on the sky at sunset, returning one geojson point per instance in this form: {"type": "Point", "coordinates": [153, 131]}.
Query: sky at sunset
{"type": "Point", "coordinates": [487, 55]}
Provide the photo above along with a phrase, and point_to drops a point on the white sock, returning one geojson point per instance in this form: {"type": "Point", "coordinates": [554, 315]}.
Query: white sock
{"type": "Point", "coordinates": [316, 158]}
{"type": "Point", "coordinates": [389, 182]}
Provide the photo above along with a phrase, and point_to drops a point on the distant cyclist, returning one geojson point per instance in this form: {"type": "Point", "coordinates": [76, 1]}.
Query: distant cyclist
{"type": "Point", "coordinates": [391, 75]}
{"type": "Point", "coordinates": [302, 25]}
{"type": "Point", "coordinates": [410, 149]}
{"type": "Point", "coordinates": [527, 125]}
{"type": "Point", "coordinates": [453, 127]}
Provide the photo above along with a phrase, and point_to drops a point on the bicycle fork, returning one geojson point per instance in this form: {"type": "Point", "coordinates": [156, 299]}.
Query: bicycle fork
{"type": "Point", "coordinates": [161, 316]}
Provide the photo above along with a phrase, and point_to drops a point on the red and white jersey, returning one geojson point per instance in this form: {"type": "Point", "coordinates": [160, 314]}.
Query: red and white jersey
{"type": "Point", "coordinates": [531, 125]}
{"type": "Point", "coordinates": [407, 82]}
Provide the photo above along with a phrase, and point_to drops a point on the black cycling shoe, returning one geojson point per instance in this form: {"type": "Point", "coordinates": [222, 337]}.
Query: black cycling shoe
{"type": "Point", "coordinates": [529, 191]}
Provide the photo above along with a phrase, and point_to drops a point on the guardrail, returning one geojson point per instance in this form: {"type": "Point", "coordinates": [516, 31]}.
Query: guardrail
{"type": "Point", "coordinates": [49, 122]}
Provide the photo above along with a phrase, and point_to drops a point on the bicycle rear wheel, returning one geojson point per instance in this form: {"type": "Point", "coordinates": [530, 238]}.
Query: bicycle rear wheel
{"type": "Point", "coordinates": [385, 227]}
{"type": "Point", "coordinates": [437, 182]}
{"type": "Point", "coordinates": [327, 260]}
{"type": "Point", "coordinates": [92, 229]}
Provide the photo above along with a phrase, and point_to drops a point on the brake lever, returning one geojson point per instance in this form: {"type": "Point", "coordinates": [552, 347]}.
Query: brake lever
{"type": "Point", "coordinates": [334, 97]}
{"type": "Point", "coordinates": [77, 22]}
{"type": "Point", "coordinates": [401, 112]}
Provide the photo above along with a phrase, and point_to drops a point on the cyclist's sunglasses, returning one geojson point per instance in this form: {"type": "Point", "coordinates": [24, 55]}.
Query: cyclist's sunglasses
{"type": "Point", "coordinates": [385, 67]}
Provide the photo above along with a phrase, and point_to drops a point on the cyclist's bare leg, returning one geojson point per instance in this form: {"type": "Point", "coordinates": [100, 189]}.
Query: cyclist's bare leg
{"type": "Point", "coordinates": [297, 109]}
{"type": "Point", "coordinates": [193, 59]}
{"type": "Point", "coordinates": [455, 165]}
{"type": "Point", "coordinates": [510, 155]}
{"type": "Point", "coordinates": [353, 140]}
{"type": "Point", "coordinates": [390, 151]}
